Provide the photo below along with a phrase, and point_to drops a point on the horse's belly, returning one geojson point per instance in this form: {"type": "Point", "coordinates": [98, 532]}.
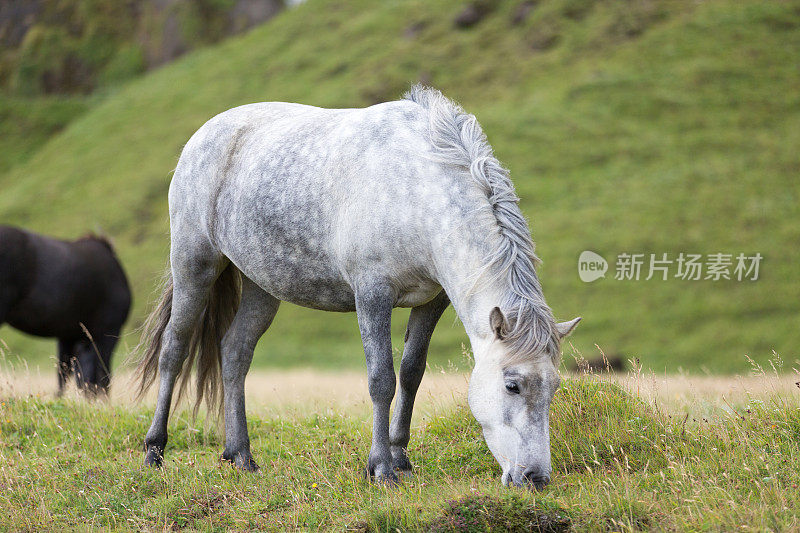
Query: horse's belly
{"type": "Point", "coordinates": [337, 295]}
{"type": "Point", "coordinates": [322, 287]}
{"type": "Point", "coordinates": [314, 288]}
{"type": "Point", "coordinates": [43, 318]}
{"type": "Point", "coordinates": [315, 294]}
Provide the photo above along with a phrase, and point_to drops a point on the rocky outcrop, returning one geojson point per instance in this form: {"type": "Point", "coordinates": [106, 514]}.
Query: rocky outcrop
{"type": "Point", "coordinates": [73, 46]}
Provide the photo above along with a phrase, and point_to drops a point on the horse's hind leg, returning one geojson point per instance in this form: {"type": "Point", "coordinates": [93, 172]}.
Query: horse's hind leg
{"type": "Point", "coordinates": [421, 323]}
{"type": "Point", "coordinates": [255, 314]}
{"type": "Point", "coordinates": [193, 276]}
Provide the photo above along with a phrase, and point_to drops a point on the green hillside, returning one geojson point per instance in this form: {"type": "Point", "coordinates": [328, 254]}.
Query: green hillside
{"type": "Point", "coordinates": [637, 127]}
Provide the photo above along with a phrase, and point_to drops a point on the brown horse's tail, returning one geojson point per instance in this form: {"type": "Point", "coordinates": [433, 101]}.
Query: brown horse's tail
{"type": "Point", "coordinates": [204, 346]}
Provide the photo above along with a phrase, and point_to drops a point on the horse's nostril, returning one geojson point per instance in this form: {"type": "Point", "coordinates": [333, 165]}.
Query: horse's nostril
{"type": "Point", "coordinates": [535, 477]}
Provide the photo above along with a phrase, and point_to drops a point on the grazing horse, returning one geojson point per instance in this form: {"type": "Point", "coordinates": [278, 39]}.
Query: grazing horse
{"type": "Point", "coordinates": [401, 204]}
{"type": "Point", "coordinates": [75, 291]}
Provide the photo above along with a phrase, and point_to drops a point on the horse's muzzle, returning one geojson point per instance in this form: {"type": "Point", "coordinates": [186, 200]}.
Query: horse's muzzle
{"type": "Point", "coordinates": [532, 479]}
{"type": "Point", "coordinates": [535, 479]}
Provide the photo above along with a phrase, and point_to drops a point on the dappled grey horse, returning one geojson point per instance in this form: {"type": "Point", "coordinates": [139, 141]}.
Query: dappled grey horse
{"type": "Point", "coordinates": [401, 204]}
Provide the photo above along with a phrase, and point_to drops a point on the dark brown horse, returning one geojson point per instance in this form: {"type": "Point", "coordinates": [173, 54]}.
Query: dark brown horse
{"type": "Point", "coordinates": [74, 291]}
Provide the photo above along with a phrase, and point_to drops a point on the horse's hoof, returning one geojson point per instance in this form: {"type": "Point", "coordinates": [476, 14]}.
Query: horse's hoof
{"type": "Point", "coordinates": [388, 479]}
{"type": "Point", "coordinates": [247, 465]}
{"type": "Point", "coordinates": [241, 460]}
{"type": "Point", "coordinates": [153, 457]}
{"type": "Point", "coordinates": [400, 461]}
{"type": "Point", "coordinates": [380, 476]}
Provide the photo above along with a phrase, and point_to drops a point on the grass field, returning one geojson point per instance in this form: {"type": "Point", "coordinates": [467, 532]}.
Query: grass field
{"type": "Point", "coordinates": [662, 458]}
{"type": "Point", "coordinates": [652, 127]}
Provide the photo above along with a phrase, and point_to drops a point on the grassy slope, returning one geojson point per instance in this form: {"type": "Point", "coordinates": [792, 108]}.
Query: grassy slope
{"type": "Point", "coordinates": [619, 465]}
{"type": "Point", "coordinates": [28, 123]}
{"type": "Point", "coordinates": [645, 127]}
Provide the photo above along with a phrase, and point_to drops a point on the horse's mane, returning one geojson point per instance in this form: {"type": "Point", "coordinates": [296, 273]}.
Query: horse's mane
{"type": "Point", "coordinates": [459, 140]}
{"type": "Point", "coordinates": [102, 239]}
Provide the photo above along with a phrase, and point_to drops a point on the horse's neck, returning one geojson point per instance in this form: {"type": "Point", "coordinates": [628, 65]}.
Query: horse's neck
{"type": "Point", "coordinates": [472, 297]}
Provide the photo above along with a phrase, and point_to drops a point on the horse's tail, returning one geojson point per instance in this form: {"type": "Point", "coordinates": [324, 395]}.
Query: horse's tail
{"type": "Point", "coordinates": [204, 346]}
{"type": "Point", "coordinates": [149, 346]}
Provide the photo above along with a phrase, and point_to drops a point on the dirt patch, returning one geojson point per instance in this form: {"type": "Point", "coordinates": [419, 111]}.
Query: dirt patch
{"type": "Point", "coordinates": [485, 513]}
{"type": "Point", "coordinates": [198, 507]}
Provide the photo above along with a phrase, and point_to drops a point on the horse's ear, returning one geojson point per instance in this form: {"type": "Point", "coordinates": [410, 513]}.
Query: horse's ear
{"type": "Point", "coordinates": [565, 328]}
{"type": "Point", "coordinates": [498, 323]}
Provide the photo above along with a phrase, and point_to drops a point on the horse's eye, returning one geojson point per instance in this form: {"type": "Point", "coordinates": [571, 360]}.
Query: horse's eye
{"type": "Point", "coordinates": [512, 387]}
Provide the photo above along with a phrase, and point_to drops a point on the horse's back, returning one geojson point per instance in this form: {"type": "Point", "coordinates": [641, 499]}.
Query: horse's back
{"type": "Point", "coordinates": [293, 156]}
{"type": "Point", "coordinates": [287, 131]}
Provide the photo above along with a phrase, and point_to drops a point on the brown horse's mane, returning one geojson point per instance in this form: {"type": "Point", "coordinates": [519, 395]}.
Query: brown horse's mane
{"type": "Point", "coordinates": [100, 238]}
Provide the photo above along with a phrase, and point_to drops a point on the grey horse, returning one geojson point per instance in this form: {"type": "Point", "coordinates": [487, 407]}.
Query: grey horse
{"type": "Point", "coordinates": [401, 204]}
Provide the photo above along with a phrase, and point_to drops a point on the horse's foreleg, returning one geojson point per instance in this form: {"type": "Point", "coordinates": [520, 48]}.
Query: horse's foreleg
{"type": "Point", "coordinates": [85, 365]}
{"type": "Point", "coordinates": [65, 355]}
{"type": "Point", "coordinates": [189, 297]}
{"type": "Point", "coordinates": [255, 314]}
{"type": "Point", "coordinates": [421, 323]}
{"type": "Point", "coordinates": [8, 295]}
{"type": "Point", "coordinates": [374, 310]}
{"type": "Point", "coordinates": [105, 345]}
